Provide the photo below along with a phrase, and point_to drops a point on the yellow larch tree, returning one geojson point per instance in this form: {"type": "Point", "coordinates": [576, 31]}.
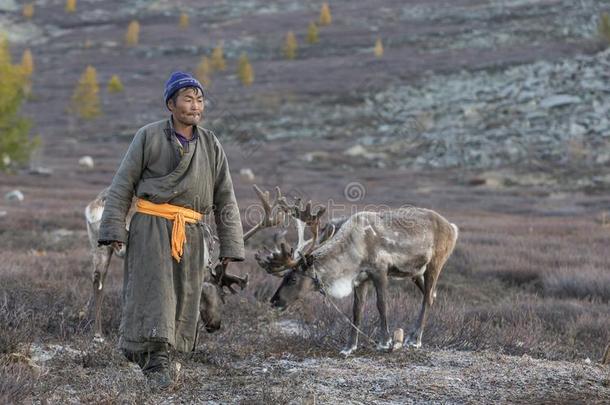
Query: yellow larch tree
{"type": "Point", "coordinates": [184, 20]}
{"type": "Point", "coordinates": [204, 71]}
{"type": "Point", "coordinates": [244, 70]}
{"type": "Point", "coordinates": [85, 100]}
{"type": "Point", "coordinates": [378, 50]}
{"type": "Point", "coordinates": [70, 6]}
{"type": "Point", "coordinates": [27, 63]}
{"type": "Point", "coordinates": [28, 11]}
{"type": "Point", "coordinates": [312, 33]}
{"type": "Point", "coordinates": [218, 58]}
{"type": "Point", "coordinates": [290, 46]}
{"type": "Point", "coordinates": [325, 16]}
{"type": "Point", "coordinates": [115, 85]}
{"type": "Point", "coordinates": [132, 36]}
{"type": "Point", "coordinates": [27, 68]}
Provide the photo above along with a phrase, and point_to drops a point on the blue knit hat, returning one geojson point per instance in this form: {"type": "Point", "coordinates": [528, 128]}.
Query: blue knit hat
{"type": "Point", "coordinates": [177, 81]}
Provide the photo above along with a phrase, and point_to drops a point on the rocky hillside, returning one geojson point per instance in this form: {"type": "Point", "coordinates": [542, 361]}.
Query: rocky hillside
{"type": "Point", "coordinates": [461, 84]}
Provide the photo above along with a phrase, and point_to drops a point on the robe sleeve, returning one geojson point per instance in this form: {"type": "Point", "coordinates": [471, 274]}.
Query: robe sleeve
{"type": "Point", "coordinates": [121, 191]}
{"type": "Point", "coordinates": [226, 210]}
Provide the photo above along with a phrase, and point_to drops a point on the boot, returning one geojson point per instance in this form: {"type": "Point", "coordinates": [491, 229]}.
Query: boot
{"type": "Point", "coordinates": [156, 369]}
{"type": "Point", "coordinates": [154, 364]}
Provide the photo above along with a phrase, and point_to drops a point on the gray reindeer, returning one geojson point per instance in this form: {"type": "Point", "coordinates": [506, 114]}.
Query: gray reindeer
{"type": "Point", "coordinates": [348, 256]}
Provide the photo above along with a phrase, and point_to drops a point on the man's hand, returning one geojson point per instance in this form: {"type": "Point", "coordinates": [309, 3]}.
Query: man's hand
{"type": "Point", "coordinates": [115, 244]}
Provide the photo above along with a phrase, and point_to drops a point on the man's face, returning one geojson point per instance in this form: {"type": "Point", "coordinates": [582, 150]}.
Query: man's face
{"type": "Point", "coordinates": [188, 108]}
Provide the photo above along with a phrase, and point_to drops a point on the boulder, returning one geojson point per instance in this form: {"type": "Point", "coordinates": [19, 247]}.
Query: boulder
{"type": "Point", "coordinates": [86, 162]}
{"type": "Point", "coordinates": [14, 196]}
{"type": "Point", "coordinates": [247, 174]}
{"type": "Point", "coordinates": [41, 171]}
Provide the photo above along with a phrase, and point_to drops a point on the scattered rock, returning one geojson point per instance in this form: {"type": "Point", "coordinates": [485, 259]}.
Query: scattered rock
{"type": "Point", "coordinates": [559, 100]}
{"type": "Point", "coordinates": [14, 196]}
{"type": "Point", "coordinates": [316, 156]}
{"type": "Point", "coordinates": [87, 162]}
{"type": "Point", "coordinates": [485, 119]}
{"type": "Point", "coordinates": [360, 151]}
{"type": "Point", "coordinates": [247, 174]}
{"type": "Point", "coordinates": [41, 171]}
{"type": "Point", "coordinates": [356, 150]}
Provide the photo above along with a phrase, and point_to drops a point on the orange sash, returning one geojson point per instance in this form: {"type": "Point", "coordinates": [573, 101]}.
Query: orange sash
{"type": "Point", "coordinates": [179, 215]}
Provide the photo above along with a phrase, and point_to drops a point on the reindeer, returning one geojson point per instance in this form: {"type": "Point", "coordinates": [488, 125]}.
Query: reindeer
{"type": "Point", "coordinates": [213, 288]}
{"type": "Point", "coordinates": [367, 248]}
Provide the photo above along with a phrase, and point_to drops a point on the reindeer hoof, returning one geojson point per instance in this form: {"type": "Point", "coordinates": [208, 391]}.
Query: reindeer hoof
{"type": "Point", "coordinates": [97, 338]}
{"type": "Point", "coordinates": [348, 350]}
{"type": "Point", "coordinates": [414, 340]}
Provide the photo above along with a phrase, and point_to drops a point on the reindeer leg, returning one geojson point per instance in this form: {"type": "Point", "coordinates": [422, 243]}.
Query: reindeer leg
{"type": "Point", "coordinates": [360, 293]}
{"type": "Point", "coordinates": [381, 287]}
{"type": "Point", "coordinates": [430, 278]}
{"type": "Point", "coordinates": [101, 261]}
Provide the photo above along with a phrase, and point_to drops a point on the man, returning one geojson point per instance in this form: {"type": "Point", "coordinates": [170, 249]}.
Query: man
{"type": "Point", "coordinates": [179, 173]}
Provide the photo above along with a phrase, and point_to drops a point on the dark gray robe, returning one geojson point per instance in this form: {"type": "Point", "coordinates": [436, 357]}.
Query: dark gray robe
{"type": "Point", "coordinates": [160, 296]}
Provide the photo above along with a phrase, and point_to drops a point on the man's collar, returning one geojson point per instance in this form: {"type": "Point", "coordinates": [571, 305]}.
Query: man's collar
{"type": "Point", "coordinates": [169, 129]}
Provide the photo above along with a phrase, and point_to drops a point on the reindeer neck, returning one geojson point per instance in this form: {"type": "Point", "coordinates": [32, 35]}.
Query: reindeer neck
{"type": "Point", "coordinates": [339, 258]}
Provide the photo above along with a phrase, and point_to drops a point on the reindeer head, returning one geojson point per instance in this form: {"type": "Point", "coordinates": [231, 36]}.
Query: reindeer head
{"type": "Point", "coordinates": [209, 310]}
{"type": "Point", "coordinates": [296, 267]}
{"type": "Point", "coordinates": [213, 295]}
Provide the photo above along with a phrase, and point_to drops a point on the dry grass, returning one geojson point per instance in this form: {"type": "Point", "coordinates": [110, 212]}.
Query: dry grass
{"type": "Point", "coordinates": [17, 381]}
{"type": "Point", "coordinates": [516, 285]}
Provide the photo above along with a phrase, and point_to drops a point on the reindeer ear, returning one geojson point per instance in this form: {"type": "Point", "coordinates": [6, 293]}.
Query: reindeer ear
{"type": "Point", "coordinates": [329, 232]}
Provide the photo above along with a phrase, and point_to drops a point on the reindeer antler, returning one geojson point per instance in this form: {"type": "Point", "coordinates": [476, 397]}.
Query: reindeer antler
{"type": "Point", "coordinates": [277, 262]}
{"type": "Point", "coordinates": [286, 258]}
{"type": "Point", "coordinates": [270, 218]}
{"type": "Point", "coordinates": [304, 214]}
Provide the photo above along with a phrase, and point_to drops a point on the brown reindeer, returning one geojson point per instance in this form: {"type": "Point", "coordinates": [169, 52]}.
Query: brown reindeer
{"type": "Point", "coordinates": [212, 289]}
{"type": "Point", "coordinates": [368, 248]}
